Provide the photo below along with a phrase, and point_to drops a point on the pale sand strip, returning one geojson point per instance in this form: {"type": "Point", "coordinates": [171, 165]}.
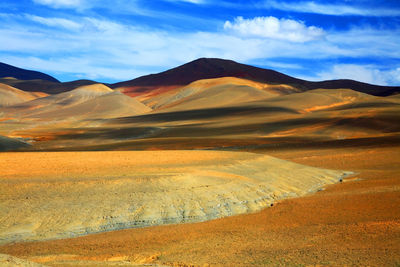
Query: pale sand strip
{"type": "Point", "coordinates": [48, 195]}
{"type": "Point", "coordinates": [10, 261]}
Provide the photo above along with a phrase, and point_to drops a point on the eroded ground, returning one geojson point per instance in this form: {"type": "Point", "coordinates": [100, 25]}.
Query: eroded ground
{"type": "Point", "coordinates": [352, 223]}
{"type": "Point", "coordinates": [48, 195]}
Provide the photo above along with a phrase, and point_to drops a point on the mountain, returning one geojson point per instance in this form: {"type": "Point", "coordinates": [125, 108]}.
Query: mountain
{"type": "Point", "coordinates": [370, 89]}
{"type": "Point", "coordinates": [7, 143]}
{"type": "Point", "coordinates": [214, 113]}
{"type": "Point", "coordinates": [203, 68]}
{"type": "Point", "coordinates": [22, 74]}
{"type": "Point", "coordinates": [206, 68]}
{"type": "Point", "coordinates": [45, 86]}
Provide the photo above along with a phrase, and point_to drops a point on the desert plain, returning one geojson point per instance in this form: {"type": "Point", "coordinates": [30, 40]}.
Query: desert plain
{"type": "Point", "coordinates": [217, 171]}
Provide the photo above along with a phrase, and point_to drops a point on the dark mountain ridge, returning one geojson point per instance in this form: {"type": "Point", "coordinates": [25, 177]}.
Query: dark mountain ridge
{"type": "Point", "coordinates": [23, 74]}
{"type": "Point", "coordinates": [207, 68]}
{"type": "Point", "coordinates": [202, 68]}
{"type": "Point", "coordinates": [45, 86]}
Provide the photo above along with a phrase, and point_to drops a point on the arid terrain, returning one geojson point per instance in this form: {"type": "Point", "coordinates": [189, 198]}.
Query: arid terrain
{"type": "Point", "coordinates": [211, 163]}
{"type": "Point", "coordinates": [80, 193]}
{"type": "Point", "coordinates": [356, 222]}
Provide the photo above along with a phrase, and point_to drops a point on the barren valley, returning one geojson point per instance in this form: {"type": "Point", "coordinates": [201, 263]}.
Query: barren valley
{"type": "Point", "coordinates": [212, 163]}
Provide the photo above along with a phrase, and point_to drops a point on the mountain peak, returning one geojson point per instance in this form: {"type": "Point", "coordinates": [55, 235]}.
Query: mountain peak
{"type": "Point", "coordinates": [206, 68]}
{"type": "Point", "coordinates": [209, 68]}
{"type": "Point", "coordinates": [211, 60]}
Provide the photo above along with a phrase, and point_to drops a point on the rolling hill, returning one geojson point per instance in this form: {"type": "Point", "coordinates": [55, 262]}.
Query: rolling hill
{"type": "Point", "coordinates": [85, 102]}
{"type": "Point", "coordinates": [11, 96]}
{"type": "Point", "coordinates": [180, 109]}
{"type": "Point", "coordinates": [215, 92]}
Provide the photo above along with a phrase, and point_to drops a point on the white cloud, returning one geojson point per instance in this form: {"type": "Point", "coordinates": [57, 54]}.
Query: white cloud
{"type": "Point", "coordinates": [102, 25]}
{"type": "Point", "coordinates": [61, 3]}
{"type": "Point", "coordinates": [55, 22]}
{"type": "Point", "coordinates": [367, 42]}
{"type": "Point", "coordinates": [393, 76]}
{"type": "Point", "coordinates": [363, 73]}
{"type": "Point", "coordinates": [25, 40]}
{"type": "Point", "coordinates": [189, 1]}
{"type": "Point", "coordinates": [331, 9]}
{"type": "Point", "coordinates": [274, 28]}
{"type": "Point", "coordinates": [274, 64]}
{"type": "Point", "coordinates": [87, 23]}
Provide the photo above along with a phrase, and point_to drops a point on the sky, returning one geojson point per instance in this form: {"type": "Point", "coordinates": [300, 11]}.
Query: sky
{"type": "Point", "coordinates": [111, 41]}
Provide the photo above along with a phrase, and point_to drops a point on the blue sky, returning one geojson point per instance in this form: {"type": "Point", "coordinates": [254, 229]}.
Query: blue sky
{"type": "Point", "coordinates": [111, 41]}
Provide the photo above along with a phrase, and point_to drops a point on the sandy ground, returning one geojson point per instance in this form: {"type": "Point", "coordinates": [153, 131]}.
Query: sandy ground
{"type": "Point", "coordinates": [10, 261]}
{"type": "Point", "coordinates": [47, 195]}
{"type": "Point", "coordinates": [352, 223]}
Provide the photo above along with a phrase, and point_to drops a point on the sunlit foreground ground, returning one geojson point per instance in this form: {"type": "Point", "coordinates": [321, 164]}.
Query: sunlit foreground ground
{"type": "Point", "coordinates": [355, 222]}
{"type": "Point", "coordinates": [66, 194]}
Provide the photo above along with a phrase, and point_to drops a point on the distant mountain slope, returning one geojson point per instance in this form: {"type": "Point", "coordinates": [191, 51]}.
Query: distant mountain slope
{"type": "Point", "coordinates": [370, 89]}
{"type": "Point", "coordinates": [11, 96]}
{"type": "Point", "coordinates": [23, 74]}
{"type": "Point", "coordinates": [55, 103]}
{"type": "Point", "coordinates": [45, 86]}
{"type": "Point", "coordinates": [86, 102]}
{"type": "Point", "coordinates": [206, 68]}
{"type": "Point", "coordinates": [203, 68]}
{"type": "Point", "coordinates": [217, 92]}
{"type": "Point", "coordinates": [7, 143]}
